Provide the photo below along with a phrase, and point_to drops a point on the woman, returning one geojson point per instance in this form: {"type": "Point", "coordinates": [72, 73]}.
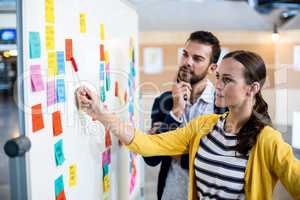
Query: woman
{"type": "Point", "coordinates": [237, 155]}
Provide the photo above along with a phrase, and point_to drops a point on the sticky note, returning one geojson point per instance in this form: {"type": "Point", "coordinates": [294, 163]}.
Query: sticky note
{"type": "Point", "coordinates": [125, 96]}
{"type": "Point", "coordinates": [82, 23]}
{"type": "Point", "coordinates": [102, 53]}
{"type": "Point", "coordinates": [49, 37]}
{"type": "Point", "coordinates": [56, 123]}
{"type": "Point", "coordinates": [34, 45]}
{"type": "Point", "coordinates": [60, 58]}
{"type": "Point", "coordinates": [51, 93]}
{"type": "Point", "coordinates": [49, 11]}
{"type": "Point", "coordinates": [59, 185]}
{"type": "Point", "coordinates": [102, 71]}
{"type": "Point", "coordinates": [59, 153]}
{"type": "Point", "coordinates": [107, 82]}
{"type": "Point", "coordinates": [105, 169]}
{"type": "Point", "coordinates": [61, 195]}
{"type": "Point", "coordinates": [52, 64]}
{"type": "Point", "coordinates": [102, 32]}
{"type": "Point", "coordinates": [72, 175]}
{"type": "Point", "coordinates": [37, 117]}
{"type": "Point", "coordinates": [102, 94]}
{"type": "Point", "coordinates": [106, 157]}
{"type": "Point", "coordinates": [106, 57]}
{"type": "Point", "coordinates": [60, 90]}
{"type": "Point", "coordinates": [116, 88]}
{"type": "Point", "coordinates": [107, 138]}
{"type": "Point", "coordinates": [106, 184]}
{"type": "Point", "coordinates": [69, 49]}
{"type": "Point", "coordinates": [37, 83]}
{"type": "Point", "coordinates": [131, 107]}
{"type": "Point", "coordinates": [132, 71]}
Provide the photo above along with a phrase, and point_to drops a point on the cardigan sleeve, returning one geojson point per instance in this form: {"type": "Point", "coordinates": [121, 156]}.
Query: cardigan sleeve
{"type": "Point", "coordinates": [284, 164]}
{"type": "Point", "coordinates": [170, 143]}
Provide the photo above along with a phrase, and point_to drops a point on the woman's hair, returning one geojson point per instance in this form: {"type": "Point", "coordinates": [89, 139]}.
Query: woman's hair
{"type": "Point", "coordinates": [255, 71]}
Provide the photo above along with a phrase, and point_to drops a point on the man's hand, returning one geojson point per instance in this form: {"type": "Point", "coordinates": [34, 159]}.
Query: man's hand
{"type": "Point", "coordinates": [179, 90]}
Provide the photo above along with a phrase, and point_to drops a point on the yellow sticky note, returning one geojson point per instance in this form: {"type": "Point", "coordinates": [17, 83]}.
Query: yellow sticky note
{"type": "Point", "coordinates": [130, 53]}
{"type": "Point", "coordinates": [49, 37]}
{"type": "Point", "coordinates": [106, 57]}
{"type": "Point", "coordinates": [72, 175]}
{"type": "Point", "coordinates": [102, 31]}
{"type": "Point", "coordinates": [49, 11]}
{"type": "Point", "coordinates": [82, 23]}
{"type": "Point", "coordinates": [106, 184]}
{"type": "Point", "coordinates": [52, 64]}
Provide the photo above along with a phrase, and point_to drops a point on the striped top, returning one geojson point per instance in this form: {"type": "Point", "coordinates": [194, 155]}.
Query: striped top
{"type": "Point", "coordinates": [219, 169]}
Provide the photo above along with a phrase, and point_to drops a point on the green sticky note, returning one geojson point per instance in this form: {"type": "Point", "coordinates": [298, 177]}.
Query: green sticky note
{"type": "Point", "coordinates": [34, 45]}
{"type": "Point", "coordinates": [59, 153]}
{"type": "Point", "coordinates": [107, 81]}
{"type": "Point", "coordinates": [102, 94]}
{"type": "Point", "coordinates": [105, 169]}
{"type": "Point", "coordinates": [59, 185]}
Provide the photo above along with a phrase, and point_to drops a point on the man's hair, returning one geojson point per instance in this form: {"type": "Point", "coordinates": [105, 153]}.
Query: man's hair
{"type": "Point", "coordinates": [207, 38]}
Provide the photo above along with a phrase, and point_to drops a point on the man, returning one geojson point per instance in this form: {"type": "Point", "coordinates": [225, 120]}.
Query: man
{"type": "Point", "coordinates": [191, 96]}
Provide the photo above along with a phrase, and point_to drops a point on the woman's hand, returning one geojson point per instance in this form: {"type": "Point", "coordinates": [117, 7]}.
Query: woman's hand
{"type": "Point", "coordinates": [88, 102]}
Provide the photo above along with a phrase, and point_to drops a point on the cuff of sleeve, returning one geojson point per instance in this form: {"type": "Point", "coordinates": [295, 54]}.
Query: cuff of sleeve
{"type": "Point", "coordinates": [179, 120]}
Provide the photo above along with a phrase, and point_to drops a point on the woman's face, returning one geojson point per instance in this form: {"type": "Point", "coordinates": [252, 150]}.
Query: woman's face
{"type": "Point", "coordinates": [231, 87]}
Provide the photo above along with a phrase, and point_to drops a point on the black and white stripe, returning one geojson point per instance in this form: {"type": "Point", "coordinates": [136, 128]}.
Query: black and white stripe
{"type": "Point", "coordinates": [219, 169]}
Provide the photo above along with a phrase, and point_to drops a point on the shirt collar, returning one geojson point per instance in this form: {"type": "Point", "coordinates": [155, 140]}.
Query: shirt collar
{"type": "Point", "coordinates": [208, 95]}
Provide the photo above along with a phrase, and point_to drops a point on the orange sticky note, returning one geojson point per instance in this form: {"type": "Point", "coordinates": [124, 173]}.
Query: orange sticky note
{"type": "Point", "coordinates": [69, 49]}
{"type": "Point", "coordinates": [56, 123]}
{"type": "Point", "coordinates": [107, 138]}
{"type": "Point", "coordinates": [37, 117]}
{"type": "Point", "coordinates": [116, 89]}
{"type": "Point", "coordinates": [102, 53]}
{"type": "Point", "coordinates": [125, 96]}
{"type": "Point", "coordinates": [61, 195]}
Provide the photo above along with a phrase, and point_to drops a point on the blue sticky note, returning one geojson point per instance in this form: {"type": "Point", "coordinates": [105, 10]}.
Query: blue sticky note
{"type": "Point", "coordinates": [60, 90]}
{"type": "Point", "coordinates": [131, 107]}
{"type": "Point", "coordinates": [102, 71]}
{"type": "Point", "coordinates": [34, 45]}
{"type": "Point", "coordinates": [107, 82]}
{"type": "Point", "coordinates": [132, 71]}
{"type": "Point", "coordinates": [59, 185]}
{"type": "Point", "coordinates": [59, 153]}
{"type": "Point", "coordinates": [60, 56]}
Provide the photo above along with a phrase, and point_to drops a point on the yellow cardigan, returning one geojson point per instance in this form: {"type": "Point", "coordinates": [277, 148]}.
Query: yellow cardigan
{"type": "Point", "coordinates": [270, 158]}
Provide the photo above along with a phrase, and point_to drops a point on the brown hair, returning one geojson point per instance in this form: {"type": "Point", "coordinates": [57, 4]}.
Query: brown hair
{"type": "Point", "coordinates": [207, 38]}
{"type": "Point", "coordinates": [255, 71]}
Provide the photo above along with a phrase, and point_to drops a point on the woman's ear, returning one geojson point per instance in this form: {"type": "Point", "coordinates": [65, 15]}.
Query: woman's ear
{"type": "Point", "coordinates": [255, 87]}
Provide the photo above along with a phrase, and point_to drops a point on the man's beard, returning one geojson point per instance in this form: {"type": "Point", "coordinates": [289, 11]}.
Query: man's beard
{"type": "Point", "coordinates": [186, 75]}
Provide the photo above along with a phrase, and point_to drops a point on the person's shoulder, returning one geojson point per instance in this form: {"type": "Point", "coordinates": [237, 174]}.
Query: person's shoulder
{"type": "Point", "coordinates": [269, 135]}
{"type": "Point", "coordinates": [164, 95]}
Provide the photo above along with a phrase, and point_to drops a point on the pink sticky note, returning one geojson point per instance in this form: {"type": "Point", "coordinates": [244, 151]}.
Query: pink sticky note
{"type": "Point", "coordinates": [37, 83]}
{"type": "Point", "coordinates": [51, 94]}
{"type": "Point", "coordinates": [106, 157]}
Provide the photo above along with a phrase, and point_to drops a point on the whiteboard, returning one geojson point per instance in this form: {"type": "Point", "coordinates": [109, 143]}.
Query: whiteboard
{"type": "Point", "coordinates": [82, 139]}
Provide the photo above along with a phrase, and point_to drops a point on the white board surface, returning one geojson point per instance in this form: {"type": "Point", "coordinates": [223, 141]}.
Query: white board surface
{"type": "Point", "coordinates": [83, 139]}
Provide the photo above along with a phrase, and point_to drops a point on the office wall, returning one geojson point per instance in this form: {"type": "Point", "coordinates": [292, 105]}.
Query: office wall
{"type": "Point", "coordinates": [282, 86]}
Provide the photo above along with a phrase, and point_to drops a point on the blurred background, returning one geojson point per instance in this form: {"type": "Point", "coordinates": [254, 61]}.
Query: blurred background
{"type": "Point", "coordinates": [269, 27]}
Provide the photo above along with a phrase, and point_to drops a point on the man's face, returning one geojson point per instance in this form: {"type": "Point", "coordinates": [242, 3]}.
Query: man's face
{"type": "Point", "coordinates": [195, 62]}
